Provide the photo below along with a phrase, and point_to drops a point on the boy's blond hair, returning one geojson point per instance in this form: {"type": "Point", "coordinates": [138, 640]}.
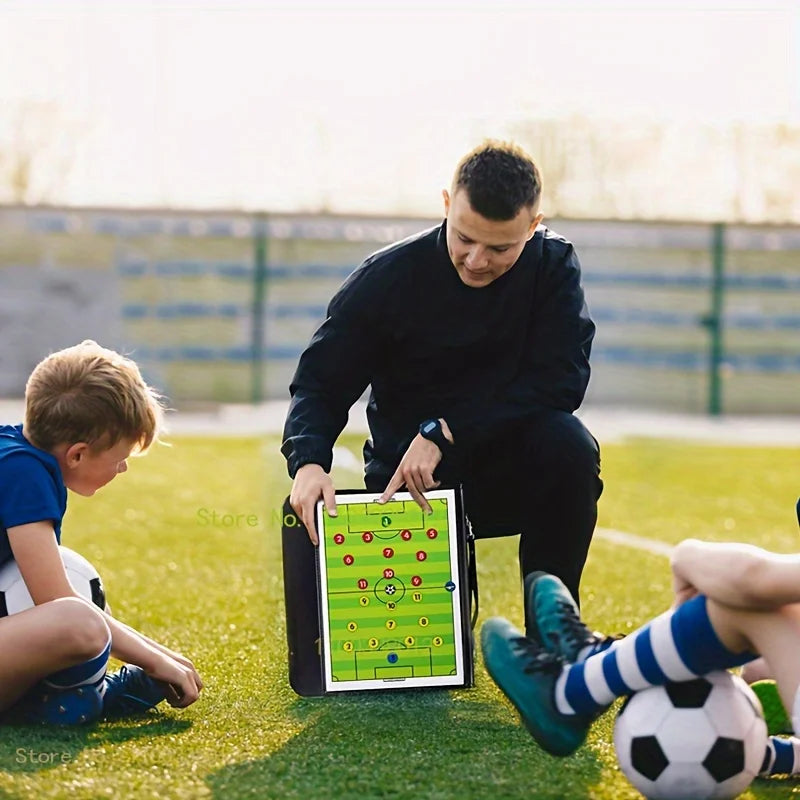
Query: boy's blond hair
{"type": "Point", "coordinates": [87, 393]}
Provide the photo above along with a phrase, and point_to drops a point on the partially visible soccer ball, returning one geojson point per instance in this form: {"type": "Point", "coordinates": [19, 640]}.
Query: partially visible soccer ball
{"type": "Point", "coordinates": [15, 597]}
{"type": "Point", "coordinates": [698, 739]}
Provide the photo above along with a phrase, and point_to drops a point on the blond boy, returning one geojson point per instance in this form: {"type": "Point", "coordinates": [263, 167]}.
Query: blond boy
{"type": "Point", "coordinates": [87, 409]}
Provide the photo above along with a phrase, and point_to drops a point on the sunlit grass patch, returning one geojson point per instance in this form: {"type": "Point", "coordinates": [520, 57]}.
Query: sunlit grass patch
{"type": "Point", "coordinates": [188, 543]}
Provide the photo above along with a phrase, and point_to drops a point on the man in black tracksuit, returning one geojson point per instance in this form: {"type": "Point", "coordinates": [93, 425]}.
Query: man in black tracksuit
{"type": "Point", "coordinates": [475, 339]}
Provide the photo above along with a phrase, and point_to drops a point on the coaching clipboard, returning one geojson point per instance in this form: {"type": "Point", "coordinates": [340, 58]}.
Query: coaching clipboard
{"type": "Point", "coordinates": [394, 599]}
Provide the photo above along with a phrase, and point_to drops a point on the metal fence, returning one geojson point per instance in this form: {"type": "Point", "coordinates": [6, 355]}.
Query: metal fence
{"type": "Point", "coordinates": [218, 306]}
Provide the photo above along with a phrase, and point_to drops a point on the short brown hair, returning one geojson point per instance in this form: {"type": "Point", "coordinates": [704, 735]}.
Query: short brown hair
{"type": "Point", "coordinates": [87, 393]}
{"type": "Point", "coordinates": [500, 179]}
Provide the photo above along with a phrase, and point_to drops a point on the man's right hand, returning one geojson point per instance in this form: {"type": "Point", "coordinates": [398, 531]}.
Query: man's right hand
{"type": "Point", "coordinates": [311, 483]}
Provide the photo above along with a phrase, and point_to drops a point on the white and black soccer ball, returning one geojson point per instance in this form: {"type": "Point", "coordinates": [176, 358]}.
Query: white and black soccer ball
{"type": "Point", "coordinates": [14, 594]}
{"type": "Point", "coordinates": [698, 739]}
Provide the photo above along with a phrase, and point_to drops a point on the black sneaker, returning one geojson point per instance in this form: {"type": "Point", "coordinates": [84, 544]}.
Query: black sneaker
{"type": "Point", "coordinates": [553, 619]}
{"type": "Point", "coordinates": [131, 691]}
{"type": "Point", "coordinates": [527, 675]}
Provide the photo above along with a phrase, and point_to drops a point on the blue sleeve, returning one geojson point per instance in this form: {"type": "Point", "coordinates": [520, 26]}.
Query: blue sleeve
{"type": "Point", "coordinates": [27, 492]}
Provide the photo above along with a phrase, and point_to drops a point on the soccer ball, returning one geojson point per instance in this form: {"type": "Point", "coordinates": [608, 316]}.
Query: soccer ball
{"type": "Point", "coordinates": [15, 597]}
{"type": "Point", "coordinates": [698, 739]}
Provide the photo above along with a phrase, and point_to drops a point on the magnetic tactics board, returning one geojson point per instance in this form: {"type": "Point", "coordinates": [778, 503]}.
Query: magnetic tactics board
{"type": "Point", "coordinates": [393, 595]}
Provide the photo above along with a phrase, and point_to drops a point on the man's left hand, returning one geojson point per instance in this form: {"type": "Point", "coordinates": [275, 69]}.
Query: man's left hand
{"type": "Point", "coordinates": [416, 470]}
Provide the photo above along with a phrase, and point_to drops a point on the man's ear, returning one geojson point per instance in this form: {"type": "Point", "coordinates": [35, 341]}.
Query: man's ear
{"type": "Point", "coordinates": [446, 198]}
{"type": "Point", "coordinates": [534, 224]}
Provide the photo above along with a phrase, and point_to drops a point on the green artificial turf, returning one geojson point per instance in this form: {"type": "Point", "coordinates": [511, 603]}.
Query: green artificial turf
{"type": "Point", "coordinates": [188, 543]}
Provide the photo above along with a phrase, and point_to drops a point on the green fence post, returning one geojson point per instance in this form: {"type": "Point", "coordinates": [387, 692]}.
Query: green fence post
{"type": "Point", "coordinates": [259, 302]}
{"type": "Point", "coordinates": [715, 319]}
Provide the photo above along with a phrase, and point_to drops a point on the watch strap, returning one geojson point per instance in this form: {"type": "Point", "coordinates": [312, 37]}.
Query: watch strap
{"type": "Point", "coordinates": [431, 430]}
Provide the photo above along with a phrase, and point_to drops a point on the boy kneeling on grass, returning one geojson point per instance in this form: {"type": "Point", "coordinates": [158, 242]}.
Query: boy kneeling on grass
{"type": "Point", "coordinates": [86, 410]}
{"type": "Point", "coordinates": [732, 603]}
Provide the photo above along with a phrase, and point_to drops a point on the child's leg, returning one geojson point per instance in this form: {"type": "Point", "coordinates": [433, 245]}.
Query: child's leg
{"type": "Point", "coordinates": [758, 670]}
{"type": "Point", "coordinates": [678, 645]}
{"type": "Point", "coordinates": [47, 639]}
{"type": "Point", "coordinates": [782, 756]}
{"type": "Point", "coordinates": [775, 634]}
{"type": "Point", "coordinates": [558, 701]}
{"type": "Point", "coordinates": [698, 636]}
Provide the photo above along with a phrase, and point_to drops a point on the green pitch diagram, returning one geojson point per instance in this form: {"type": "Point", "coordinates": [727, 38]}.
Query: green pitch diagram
{"type": "Point", "coordinates": [390, 582]}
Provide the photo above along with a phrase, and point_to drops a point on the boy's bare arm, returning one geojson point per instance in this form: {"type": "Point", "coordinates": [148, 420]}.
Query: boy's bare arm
{"type": "Point", "coordinates": [737, 575]}
{"type": "Point", "coordinates": [130, 646]}
{"type": "Point", "coordinates": [37, 555]}
{"type": "Point", "coordinates": [161, 648]}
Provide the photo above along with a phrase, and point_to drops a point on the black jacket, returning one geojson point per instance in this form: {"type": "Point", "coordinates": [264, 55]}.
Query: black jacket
{"type": "Point", "coordinates": [431, 346]}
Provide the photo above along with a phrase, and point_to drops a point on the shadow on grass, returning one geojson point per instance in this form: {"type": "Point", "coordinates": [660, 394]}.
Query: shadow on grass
{"type": "Point", "coordinates": [411, 745]}
{"type": "Point", "coordinates": [32, 748]}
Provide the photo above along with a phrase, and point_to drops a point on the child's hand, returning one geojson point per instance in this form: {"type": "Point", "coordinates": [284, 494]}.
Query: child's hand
{"type": "Point", "coordinates": [191, 667]}
{"type": "Point", "coordinates": [682, 589]}
{"type": "Point", "coordinates": [182, 680]}
{"type": "Point", "coordinates": [181, 659]}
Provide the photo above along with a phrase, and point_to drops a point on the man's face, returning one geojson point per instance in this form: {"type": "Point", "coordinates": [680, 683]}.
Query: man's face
{"type": "Point", "coordinates": [484, 249]}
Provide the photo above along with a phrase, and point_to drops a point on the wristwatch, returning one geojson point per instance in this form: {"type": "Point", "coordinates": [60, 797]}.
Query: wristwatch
{"type": "Point", "coordinates": [431, 430]}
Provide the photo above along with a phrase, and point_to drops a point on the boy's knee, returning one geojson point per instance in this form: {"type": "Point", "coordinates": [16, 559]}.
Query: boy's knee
{"type": "Point", "coordinates": [84, 631]}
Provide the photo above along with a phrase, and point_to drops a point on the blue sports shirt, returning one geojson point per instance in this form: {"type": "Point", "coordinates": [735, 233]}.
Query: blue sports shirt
{"type": "Point", "coordinates": [31, 486]}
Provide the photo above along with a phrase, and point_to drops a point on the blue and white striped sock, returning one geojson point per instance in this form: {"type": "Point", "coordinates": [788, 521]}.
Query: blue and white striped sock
{"type": "Point", "coordinates": [70, 696]}
{"type": "Point", "coordinates": [679, 645]}
{"type": "Point", "coordinates": [782, 756]}
{"type": "Point", "coordinates": [597, 647]}
{"type": "Point", "coordinates": [88, 673]}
